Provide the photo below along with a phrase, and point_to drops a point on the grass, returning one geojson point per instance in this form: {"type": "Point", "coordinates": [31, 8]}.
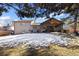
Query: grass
{"type": "Point", "coordinates": [64, 51]}
{"type": "Point", "coordinates": [52, 50]}
{"type": "Point", "coordinates": [13, 51]}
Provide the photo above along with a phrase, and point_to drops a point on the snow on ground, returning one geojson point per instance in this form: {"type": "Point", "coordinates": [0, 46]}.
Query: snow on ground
{"type": "Point", "coordinates": [33, 39]}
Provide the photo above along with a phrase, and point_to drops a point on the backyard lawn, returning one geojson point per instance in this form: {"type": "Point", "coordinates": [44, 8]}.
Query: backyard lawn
{"type": "Point", "coordinates": [39, 44]}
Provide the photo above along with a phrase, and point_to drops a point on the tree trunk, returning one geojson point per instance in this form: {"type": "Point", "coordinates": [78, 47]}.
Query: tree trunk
{"type": "Point", "coordinates": [75, 24]}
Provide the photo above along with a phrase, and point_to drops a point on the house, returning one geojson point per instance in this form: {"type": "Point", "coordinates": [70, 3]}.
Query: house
{"type": "Point", "coordinates": [71, 28]}
{"type": "Point", "coordinates": [68, 26]}
{"type": "Point", "coordinates": [4, 30]}
{"type": "Point", "coordinates": [51, 25]}
{"type": "Point", "coordinates": [28, 26]}
{"type": "Point", "coordinates": [22, 26]}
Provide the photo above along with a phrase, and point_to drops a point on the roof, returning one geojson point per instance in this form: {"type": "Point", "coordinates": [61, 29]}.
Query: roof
{"type": "Point", "coordinates": [23, 21]}
{"type": "Point", "coordinates": [52, 19]}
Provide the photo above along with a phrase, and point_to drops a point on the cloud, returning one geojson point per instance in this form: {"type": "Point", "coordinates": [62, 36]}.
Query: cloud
{"type": "Point", "coordinates": [5, 17]}
{"type": "Point", "coordinates": [4, 20]}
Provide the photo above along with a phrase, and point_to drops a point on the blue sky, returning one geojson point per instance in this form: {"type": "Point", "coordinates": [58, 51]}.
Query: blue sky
{"type": "Point", "coordinates": [11, 13]}
{"type": "Point", "coordinates": [8, 17]}
{"type": "Point", "coordinates": [11, 16]}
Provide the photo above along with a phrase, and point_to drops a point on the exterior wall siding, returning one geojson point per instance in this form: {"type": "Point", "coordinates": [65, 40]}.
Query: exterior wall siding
{"type": "Point", "coordinates": [22, 28]}
{"type": "Point", "coordinates": [54, 24]}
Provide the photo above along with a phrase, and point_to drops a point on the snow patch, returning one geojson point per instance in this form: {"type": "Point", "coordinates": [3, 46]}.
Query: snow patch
{"type": "Point", "coordinates": [33, 39]}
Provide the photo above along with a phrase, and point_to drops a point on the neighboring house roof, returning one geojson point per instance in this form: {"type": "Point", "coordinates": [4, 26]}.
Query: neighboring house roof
{"type": "Point", "coordinates": [32, 22]}
{"type": "Point", "coordinates": [23, 21]}
{"type": "Point", "coordinates": [72, 23]}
